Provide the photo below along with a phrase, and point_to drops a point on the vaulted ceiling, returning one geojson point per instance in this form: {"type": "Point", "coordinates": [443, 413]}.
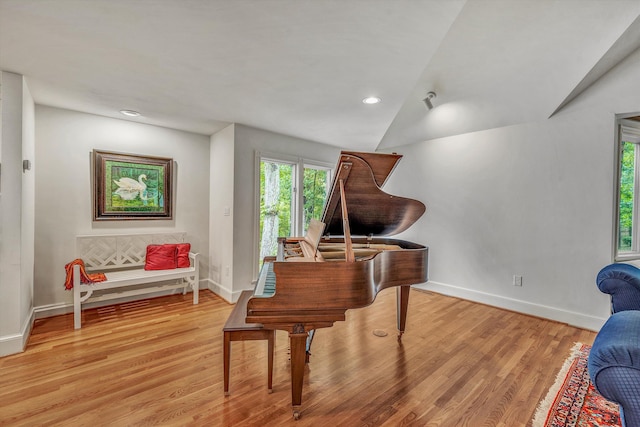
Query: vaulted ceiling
{"type": "Point", "coordinates": [302, 67]}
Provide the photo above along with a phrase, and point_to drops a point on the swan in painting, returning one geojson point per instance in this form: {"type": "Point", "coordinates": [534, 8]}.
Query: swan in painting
{"type": "Point", "coordinates": [129, 188]}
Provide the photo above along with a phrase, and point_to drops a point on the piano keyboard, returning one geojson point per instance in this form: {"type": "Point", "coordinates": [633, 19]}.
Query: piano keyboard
{"type": "Point", "coordinates": [266, 286]}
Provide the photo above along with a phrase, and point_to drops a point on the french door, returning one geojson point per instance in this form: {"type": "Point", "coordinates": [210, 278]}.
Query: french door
{"type": "Point", "coordinates": [291, 192]}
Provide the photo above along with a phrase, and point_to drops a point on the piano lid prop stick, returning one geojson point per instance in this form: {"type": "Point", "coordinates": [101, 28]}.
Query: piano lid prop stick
{"type": "Point", "coordinates": [348, 247]}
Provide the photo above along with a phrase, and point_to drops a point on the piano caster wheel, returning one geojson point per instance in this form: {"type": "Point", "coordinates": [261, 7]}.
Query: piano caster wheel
{"type": "Point", "coordinates": [296, 415]}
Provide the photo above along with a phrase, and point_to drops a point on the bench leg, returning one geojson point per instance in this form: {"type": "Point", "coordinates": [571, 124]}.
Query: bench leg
{"type": "Point", "coordinates": [77, 314]}
{"type": "Point", "coordinates": [193, 284]}
{"type": "Point", "coordinates": [227, 357]}
{"type": "Point", "coordinates": [77, 308]}
{"type": "Point", "coordinates": [196, 290]}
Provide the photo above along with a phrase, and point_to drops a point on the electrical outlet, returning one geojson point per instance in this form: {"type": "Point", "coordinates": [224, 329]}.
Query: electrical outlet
{"type": "Point", "coordinates": [517, 280]}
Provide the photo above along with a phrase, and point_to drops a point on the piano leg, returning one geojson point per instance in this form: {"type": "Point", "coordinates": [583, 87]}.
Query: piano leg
{"type": "Point", "coordinates": [403, 303]}
{"type": "Point", "coordinates": [298, 343]}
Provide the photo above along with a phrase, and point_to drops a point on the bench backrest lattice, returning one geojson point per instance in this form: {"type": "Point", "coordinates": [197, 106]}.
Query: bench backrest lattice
{"type": "Point", "coordinates": [118, 251]}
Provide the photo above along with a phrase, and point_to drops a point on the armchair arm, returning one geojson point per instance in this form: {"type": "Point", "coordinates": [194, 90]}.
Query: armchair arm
{"type": "Point", "coordinates": [622, 282]}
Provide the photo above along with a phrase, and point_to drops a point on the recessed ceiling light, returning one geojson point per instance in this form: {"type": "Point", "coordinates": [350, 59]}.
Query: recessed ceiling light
{"type": "Point", "coordinates": [130, 113]}
{"type": "Point", "coordinates": [371, 100]}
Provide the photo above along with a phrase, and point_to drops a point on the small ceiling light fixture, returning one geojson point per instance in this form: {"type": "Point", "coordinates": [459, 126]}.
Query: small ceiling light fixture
{"type": "Point", "coordinates": [130, 113]}
{"type": "Point", "coordinates": [427, 100]}
{"type": "Point", "coordinates": [371, 100]}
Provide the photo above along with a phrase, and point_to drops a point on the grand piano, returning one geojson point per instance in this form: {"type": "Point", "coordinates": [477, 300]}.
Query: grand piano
{"type": "Point", "coordinates": [342, 262]}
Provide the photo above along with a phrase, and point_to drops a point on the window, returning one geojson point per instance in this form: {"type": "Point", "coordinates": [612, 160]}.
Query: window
{"type": "Point", "coordinates": [627, 230]}
{"type": "Point", "coordinates": [283, 210]}
{"type": "Point", "coordinates": [314, 193]}
{"type": "Point", "coordinates": [277, 186]}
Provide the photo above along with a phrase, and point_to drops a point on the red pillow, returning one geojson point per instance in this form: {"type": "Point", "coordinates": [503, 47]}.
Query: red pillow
{"type": "Point", "coordinates": [183, 255]}
{"type": "Point", "coordinates": [161, 257]}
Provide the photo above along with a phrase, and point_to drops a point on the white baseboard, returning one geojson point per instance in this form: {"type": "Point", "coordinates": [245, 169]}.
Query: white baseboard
{"type": "Point", "coordinates": [12, 344]}
{"type": "Point", "coordinates": [50, 310]}
{"type": "Point", "coordinates": [553, 313]}
{"type": "Point", "coordinates": [218, 289]}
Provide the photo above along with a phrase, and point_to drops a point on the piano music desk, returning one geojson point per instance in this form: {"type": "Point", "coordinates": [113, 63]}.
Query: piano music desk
{"type": "Point", "coordinates": [235, 329]}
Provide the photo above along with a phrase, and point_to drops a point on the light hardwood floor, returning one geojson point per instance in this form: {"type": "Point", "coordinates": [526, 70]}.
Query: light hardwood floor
{"type": "Point", "coordinates": [159, 362]}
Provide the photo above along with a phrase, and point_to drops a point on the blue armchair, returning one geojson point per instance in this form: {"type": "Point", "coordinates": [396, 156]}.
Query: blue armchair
{"type": "Point", "coordinates": [614, 360]}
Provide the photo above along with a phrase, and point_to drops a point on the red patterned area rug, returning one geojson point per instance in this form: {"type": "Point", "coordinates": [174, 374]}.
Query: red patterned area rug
{"type": "Point", "coordinates": [573, 401]}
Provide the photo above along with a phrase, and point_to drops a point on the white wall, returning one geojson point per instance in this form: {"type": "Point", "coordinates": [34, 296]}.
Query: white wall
{"type": "Point", "coordinates": [16, 214]}
{"type": "Point", "coordinates": [534, 200]}
{"type": "Point", "coordinates": [11, 202]}
{"type": "Point", "coordinates": [64, 142]}
{"type": "Point", "coordinates": [221, 212]}
{"type": "Point", "coordinates": [27, 246]}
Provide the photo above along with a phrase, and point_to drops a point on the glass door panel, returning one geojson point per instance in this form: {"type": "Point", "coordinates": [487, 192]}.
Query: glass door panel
{"type": "Point", "coordinates": [276, 204]}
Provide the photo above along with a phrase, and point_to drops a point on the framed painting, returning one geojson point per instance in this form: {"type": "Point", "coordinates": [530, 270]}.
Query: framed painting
{"type": "Point", "coordinates": [129, 186]}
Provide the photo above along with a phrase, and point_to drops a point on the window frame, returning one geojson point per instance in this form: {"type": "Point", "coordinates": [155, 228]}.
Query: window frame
{"type": "Point", "coordinates": [634, 253]}
{"type": "Point", "coordinates": [311, 164]}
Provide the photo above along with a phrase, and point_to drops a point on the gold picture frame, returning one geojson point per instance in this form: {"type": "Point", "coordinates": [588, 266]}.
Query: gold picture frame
{"type": "Point", "coordinates": [132, 187]}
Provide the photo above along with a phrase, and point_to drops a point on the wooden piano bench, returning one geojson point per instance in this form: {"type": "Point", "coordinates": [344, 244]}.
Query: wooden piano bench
{"type": "Point", "coordinates": [235, 329]}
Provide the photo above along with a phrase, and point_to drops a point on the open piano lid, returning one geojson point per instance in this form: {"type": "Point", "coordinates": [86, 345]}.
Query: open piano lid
{"type": "Point", "coordinates": [371, 211]}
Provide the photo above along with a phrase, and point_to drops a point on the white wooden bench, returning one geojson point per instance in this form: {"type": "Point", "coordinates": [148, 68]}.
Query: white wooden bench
{"type": "Point", "coordinates": [121, 257]}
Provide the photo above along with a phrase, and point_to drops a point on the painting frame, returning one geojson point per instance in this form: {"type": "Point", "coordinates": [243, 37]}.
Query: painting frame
{"type": "Point", "coordinates": [132, 187]}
